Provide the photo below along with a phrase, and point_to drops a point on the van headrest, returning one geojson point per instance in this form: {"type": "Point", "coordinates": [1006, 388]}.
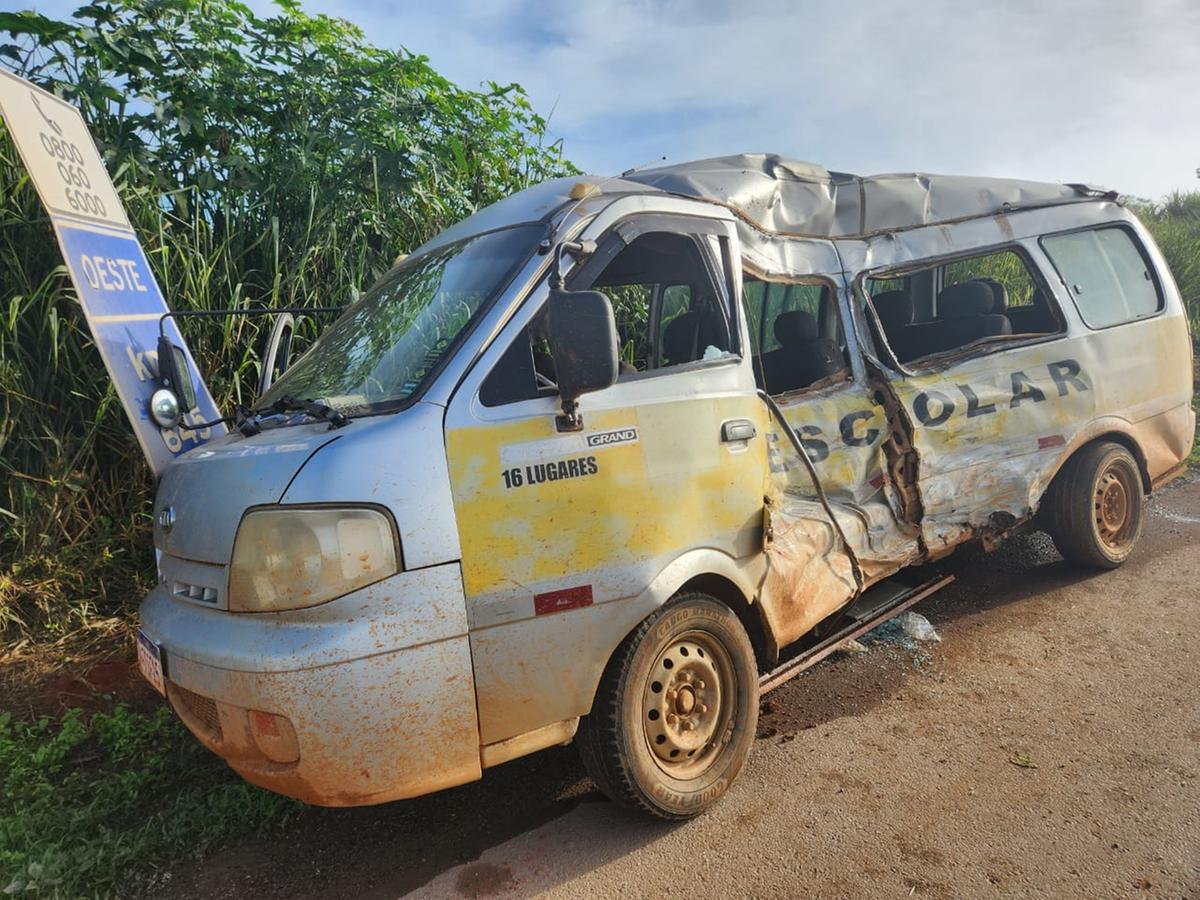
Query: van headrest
{"type": "Point", "coordinates": [969, 298]}
{"type": "Point", "coordinates": [796, 327]}
{"type": "Point", "coordinates": [999, 295]}
{"type": "Point", "coordinates": [680, 338]}
{"type": "Point", "coordinates": [894, 308]}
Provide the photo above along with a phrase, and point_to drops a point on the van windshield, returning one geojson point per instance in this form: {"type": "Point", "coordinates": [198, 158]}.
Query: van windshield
{"type": "Point", "coordinates": [384, 347]}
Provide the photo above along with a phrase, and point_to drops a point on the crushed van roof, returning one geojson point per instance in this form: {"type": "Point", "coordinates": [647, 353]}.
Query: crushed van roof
{"type": "Point", "coordinates": [778, 197]}
{"type": "Point", "coordinates": [789, 197]}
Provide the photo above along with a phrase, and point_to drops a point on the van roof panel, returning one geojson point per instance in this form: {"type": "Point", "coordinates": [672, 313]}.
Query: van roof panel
{"type": "Point", "coordinates": [790, 197]}
{"type": "Point", "coordinates": [776, 196]}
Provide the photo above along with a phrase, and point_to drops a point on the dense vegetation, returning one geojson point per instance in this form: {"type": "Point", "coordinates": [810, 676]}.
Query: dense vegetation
{"type": "Point", "coordinates": [1175, 223]}
{"type": "Point", "coordinates": [278, 160]}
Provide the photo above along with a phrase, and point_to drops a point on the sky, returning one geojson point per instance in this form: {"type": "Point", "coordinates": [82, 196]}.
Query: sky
{"type": "Point", "coordinates": [1100, 92]}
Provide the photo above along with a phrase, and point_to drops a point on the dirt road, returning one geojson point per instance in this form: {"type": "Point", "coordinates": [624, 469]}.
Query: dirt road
{"type": "Point", "coordinates": [1049, 747]}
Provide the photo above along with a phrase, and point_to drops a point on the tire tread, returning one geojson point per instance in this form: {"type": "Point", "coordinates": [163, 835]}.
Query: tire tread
{"type": "Point", "coordinates": [1069, 521]}
{"type": "Point", "coordinates": [599, 735]}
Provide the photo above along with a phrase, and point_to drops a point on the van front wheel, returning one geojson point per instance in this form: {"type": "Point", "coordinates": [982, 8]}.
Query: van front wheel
{"type": "Point", "coordinates": [674, 716]}
{"type": "Point", "coordinates": [1095, 506]}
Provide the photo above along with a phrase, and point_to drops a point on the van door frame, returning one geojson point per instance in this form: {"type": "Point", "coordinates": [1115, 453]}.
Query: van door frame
{"type": "Point", "coordinates": [879, 540]}
{"type": "Point", "coordinates": [627, 229]}
{"type": "Point", "coordinates": [513, 665]}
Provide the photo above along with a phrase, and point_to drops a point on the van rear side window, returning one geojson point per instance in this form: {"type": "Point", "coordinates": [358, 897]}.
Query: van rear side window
{"type": "Point", "coordinates": [1106, 273]}
{"type": "Point", "coordinates": [981, 300]}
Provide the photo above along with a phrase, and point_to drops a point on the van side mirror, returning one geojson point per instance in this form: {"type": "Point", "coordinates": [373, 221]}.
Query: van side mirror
{"type": "Point", "coordinates": [582, 332]}
{"type": "Point", "coordinates": [176, 392]}
{"type": "Point", "coordinates": [277, 355]}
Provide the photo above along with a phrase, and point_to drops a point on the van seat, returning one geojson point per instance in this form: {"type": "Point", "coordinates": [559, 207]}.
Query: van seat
{"type": "Point", "coordinates": [681, 339]}
{"type": "Point", "coordinates": [895, 312]}
{"type": "Point", "coordinates": [894, 308]}
{"type": "Point", "coordinates": [964, 315]}
{"type": "Point", "coordinates": [803, 357]}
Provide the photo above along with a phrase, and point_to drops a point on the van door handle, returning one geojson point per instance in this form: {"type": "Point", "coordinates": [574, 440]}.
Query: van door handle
{"type": "Point", "coordinates": [737, 430]}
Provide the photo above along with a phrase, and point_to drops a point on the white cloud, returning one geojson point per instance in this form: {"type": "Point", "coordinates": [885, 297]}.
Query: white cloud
{"type": "Point", "coordinates": [1102, 92]}
{"type": "Point", "coordinates": [1106, 92]}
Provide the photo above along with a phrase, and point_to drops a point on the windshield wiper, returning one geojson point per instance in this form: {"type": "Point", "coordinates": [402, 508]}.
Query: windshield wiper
{"type": "Point", "coordinates": [310, 407]}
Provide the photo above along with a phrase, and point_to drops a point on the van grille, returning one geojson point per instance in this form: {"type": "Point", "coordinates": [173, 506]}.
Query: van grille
{"type": "Point", "coordinates": [197, 711]}
{"type": "Point", "coordinates": [194, 592]}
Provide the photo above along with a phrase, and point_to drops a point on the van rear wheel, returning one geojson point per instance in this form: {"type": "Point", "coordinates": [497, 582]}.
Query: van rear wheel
{"type": "Point", "coordinates": [1095, 507]}
{"type": "Point", "coordinates": [674, 717]}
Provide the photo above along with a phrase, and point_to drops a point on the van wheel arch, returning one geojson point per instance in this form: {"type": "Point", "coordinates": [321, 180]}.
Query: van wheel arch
{"type": "Point", "coordinates": [766, 652]}
{"type": "Point", "coordinates": [1093, 509]}
{"type": "Point", "coordinates": [1115, 437]}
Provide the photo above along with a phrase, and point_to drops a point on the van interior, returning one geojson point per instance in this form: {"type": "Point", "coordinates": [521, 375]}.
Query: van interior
{"type": "Point", "coordinates": [796, 332]}
{"type": "Point", "coordinates": [961, 303]}
{"type": "Point", "coordinates": [670, 312]}
{"type": "Point", "coordinates": [668, 309]}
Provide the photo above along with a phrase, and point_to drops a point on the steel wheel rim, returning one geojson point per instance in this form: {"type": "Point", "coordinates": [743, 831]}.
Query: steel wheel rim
{"type": "Point", "coordinates": [1112, 507]}
{"type": "Point", "coordinates": [688, 703]}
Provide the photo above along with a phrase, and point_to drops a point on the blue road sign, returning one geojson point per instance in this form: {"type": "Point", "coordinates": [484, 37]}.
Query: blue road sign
{"type": "Point", "coordinates": [123, 305]}
{"type": "Point", "coordinates": [116, 287]}
{"type": "Point", "coordinates": [110, 272]}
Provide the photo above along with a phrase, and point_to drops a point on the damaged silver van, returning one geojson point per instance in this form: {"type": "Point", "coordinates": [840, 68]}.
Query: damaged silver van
{"type": "Point", "coordinates": [608, 459]}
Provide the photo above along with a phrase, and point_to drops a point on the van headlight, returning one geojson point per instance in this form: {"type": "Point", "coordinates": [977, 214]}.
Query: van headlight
{"type": "Point", "coordinates": [290, 558]}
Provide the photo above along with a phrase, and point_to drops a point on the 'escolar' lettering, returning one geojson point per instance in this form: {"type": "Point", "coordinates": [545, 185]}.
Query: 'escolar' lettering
{"type": "Point", "coordinates": [932, 408]}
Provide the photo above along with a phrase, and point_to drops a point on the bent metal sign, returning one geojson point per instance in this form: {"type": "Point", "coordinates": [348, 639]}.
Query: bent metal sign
{"type": "Point", "coordinates": [120, 297]}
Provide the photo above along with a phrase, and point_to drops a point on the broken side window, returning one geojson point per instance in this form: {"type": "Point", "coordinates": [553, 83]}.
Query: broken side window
{"type": "Point", "coordinates": [668, 310]}
{"type": "Point", "coordinates": [879, 285]}
{"type": "Point", "coordinates": [967, 301]}
{"type": "Point", "coordinates": [1015, 293]}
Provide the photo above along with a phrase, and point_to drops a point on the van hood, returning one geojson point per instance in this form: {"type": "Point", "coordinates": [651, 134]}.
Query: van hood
{"type": "Point", "coordinates": [207, 489]}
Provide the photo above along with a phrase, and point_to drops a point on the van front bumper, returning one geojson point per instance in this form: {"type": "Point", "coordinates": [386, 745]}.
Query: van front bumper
{"type": "Point", "coordinates": [362, 700]}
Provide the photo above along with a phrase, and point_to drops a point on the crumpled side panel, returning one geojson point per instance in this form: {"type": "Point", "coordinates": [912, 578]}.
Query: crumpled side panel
{"type": "Point", "coordinates": [809, 575]}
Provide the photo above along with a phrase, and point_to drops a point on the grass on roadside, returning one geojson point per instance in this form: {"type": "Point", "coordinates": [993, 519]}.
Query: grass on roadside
{"type": "Point", "coordinates": [97, 806]}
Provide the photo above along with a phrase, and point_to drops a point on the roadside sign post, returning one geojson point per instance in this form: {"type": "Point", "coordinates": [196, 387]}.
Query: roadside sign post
{"type": "Point", "coordinates": [121, 299]}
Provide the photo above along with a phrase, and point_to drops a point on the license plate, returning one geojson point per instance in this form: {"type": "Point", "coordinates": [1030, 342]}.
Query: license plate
{"type": "Point", "coordinates": [150, 661]}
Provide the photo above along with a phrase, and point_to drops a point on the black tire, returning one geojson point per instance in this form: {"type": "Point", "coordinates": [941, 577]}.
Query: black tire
{"type": "Point", "coordinates": [675, 713]}
{"type": "Point", "coordinates": [1095, 505]}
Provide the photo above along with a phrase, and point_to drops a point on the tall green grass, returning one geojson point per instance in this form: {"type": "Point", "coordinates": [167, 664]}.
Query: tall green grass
{"type": "Point", "coordinates": [1175, 224]}
{"type": "Point", "coordinates": [96, 806]}
{"type": "Point", "coordinates": [273, 160]}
